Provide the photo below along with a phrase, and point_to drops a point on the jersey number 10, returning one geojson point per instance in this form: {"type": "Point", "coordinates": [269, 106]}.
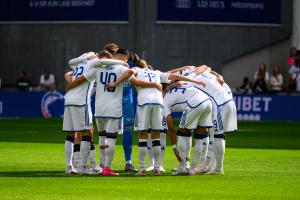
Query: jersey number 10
{"type": "Point", "coordinates": [108, 77]}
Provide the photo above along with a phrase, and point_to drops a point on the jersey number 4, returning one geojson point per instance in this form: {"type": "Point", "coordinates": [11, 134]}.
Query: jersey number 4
{"type": "Point", "coordinates": [108, 77]}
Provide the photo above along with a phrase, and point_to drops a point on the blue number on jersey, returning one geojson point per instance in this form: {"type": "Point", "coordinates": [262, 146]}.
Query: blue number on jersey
{"type": "Point", "coordinates": [78, 71]}
{"type": "Point", "coordinates": [182, 89]}
{"type": "Point", "coordinates": [108, 77]}
{"type": "Point", "coordinates": [150, 76]}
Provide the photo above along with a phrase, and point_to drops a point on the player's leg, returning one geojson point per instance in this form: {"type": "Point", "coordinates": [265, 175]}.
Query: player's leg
{"type": "Point", "coordinates": [219, 152]}
{"type": "Point", "coordinates": [183, 138]}
{"type": "Point", "coordinates": [101, 140]}
{"type": "Point", "coordinates": [155, 136]}
{"type": "Point", "coordinates": [111, 128]}
{"type": "Point", "coordinates": [189, 148]}
{"type": "Point", "coordinates": [156, 126]}
{"type": "Point", "coordinates": [219, 143]}
{"type": "Point", "coordinates": [200, 148]}
{"type": "Point", "coordinates": [68, 152]}
{"type": "Point", "coordinates": [150, 152]}
{"type": "Point", "coordinates": [143, 126]}
{"type": "Point", "coordinates": [85, 147]}
{"type": "Point", "coordinates": [76, 151]}
{"type": "Point", "coordinates": [89, 123]}
{"type": "Point", "coordinates": [210, 161]}
{"type": "Point", "coordinates": [188, 139]}
{"type": "Point", "coordinates": [92, 157]}
{"type": "Point", "coordinates": [69, 140]}
{"type": "Point", "coordinates": [142, 152]}
{"type": "Point", "coordinates": [227, 121]}
{"type": "Point", "coordinates": [163, 143]}
{"type": "Point", "coordinates": [128, 114]}
{"type": "Point", "coordinates": [203, 116]}
{"type": "Point", "coordinates": [102, 146]}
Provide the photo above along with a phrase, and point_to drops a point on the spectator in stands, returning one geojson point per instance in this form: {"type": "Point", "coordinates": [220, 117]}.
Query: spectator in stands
{"type": "Point", "coordinates": [276, 80]}
{"type": "Point", "coordinates": [262, 70]}
{"type": "Point", "coordinates": [245, 88]}
{"type": "Point", "coordinates": [47, 81]}
{"type": "Point", "coordinates": [260, 84]}
{"type": "Point", "coordinates": [293, 56]}
{"type": "Point", "coordinates": [293, 73]}
{"type": "Point", "coordinates": [23, 83]}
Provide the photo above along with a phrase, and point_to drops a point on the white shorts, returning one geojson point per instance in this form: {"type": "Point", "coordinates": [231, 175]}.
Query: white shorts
{"type": "Point", "coordinates": [225, 118]}
{"type": "Point", "coordinates": [77, 118]}
{"type": "Point", "coordinates": [109, 125]}
{"type": "Point", "coordinates": [149, 117]}
{"type": "Point", "coordinates": [200, 116]}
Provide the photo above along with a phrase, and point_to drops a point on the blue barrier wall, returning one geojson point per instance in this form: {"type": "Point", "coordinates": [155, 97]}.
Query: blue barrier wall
{"type": "Point", "coordinates": [63, 10]}
{"type": "Point", "coordinates": [267, 107]}
{"type": "Point", "coordinates": [229, 11]}
{"type": "Point", "coordinates": [50, 104]}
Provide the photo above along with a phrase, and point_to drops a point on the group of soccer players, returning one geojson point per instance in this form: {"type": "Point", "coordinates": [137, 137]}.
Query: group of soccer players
{"type": "Point", "coordinates": [198, 92]}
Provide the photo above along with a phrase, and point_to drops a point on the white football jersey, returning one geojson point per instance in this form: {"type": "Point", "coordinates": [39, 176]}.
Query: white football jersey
{"type": "Point", "coordinates": [227, 89]}
{"type": "Point", "coordinates": [108, 102]}
{"type": "Point", "coordinates": [75, 61]}
{"type": "Point", "coordinates": [187, 72]}
{"type": "Point", "coordinates": [213, 88]}
{"type": "Point", "coordinates": [150, 95]}
{"type": "Point", "coordinates": [179, 98]}
{"type": "Point", "coordinates": [81, 95]}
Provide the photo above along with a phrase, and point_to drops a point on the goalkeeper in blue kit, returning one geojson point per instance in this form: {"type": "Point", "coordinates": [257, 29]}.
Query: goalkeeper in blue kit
{"type": "Point", "coordinates": [128, 117]}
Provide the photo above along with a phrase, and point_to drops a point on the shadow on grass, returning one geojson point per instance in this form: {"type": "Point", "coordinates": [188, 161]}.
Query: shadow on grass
{"type": "Point", "coordinates": [61, 174]}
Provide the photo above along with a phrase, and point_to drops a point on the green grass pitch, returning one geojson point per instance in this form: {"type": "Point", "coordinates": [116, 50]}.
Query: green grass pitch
{"type": "Point", "coordinates": [262, 161]}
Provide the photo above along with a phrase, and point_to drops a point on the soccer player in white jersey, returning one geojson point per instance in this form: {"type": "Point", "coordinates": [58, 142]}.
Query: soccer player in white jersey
{"type": "Point", "coordinates": [76, 114]}
{"type": "Point", "coordinates": [224, 112]}
{"type": "Point", "coordinates": [197, 114]}
{"type": "Point", "coordinates": [76, 147]}
{"type": "Point", "coordinates": [79, 96]}
{"type": "Point", "coordinates": [149, 112]}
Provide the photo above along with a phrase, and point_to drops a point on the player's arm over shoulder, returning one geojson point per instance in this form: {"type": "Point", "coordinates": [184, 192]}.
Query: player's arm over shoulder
{"type": "Point", "coordinates": [89, 76]}
{"type": "Point", "coordinates": [68, 76]}
{"type": "Point", "coordinates": [125, 74]}
{"type": "Point", "coordinates": [106, 61]}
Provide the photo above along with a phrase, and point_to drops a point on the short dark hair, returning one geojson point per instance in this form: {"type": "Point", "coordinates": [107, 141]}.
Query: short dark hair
{"type": "Point", "coordinates": [123, 51]}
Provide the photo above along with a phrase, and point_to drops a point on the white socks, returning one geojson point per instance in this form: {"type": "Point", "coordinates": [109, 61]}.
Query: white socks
{"type": "Point", "coordinates": [163, 143]}
{"type": "Point", "coordinates": [109, 152]}
{"type": "Point", "coordinates": [219, 152]}
{"type": "Point", "coordinates": [200, 149]}
{"type": "Point", "coordinates": [85, 147]}
{"type": "Point", "coordinates": [150, 150]}
{"type": "Point", "coordinates": [142, 153]}
{"type": "Point", "coordinates": [204, 149]}
{"type": "Point", "coordinates": [93, 155]}
{"type": "Point", "coordinates": [156, 152]}
{"type": "Point", "coordinates": [188, 148]}
{"type": "Point", "coordinates": [182, 148]}
{"type": "Point", "coordinates": [102, 149]}
{"type": "Point", "coordinates": [69, 150]}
